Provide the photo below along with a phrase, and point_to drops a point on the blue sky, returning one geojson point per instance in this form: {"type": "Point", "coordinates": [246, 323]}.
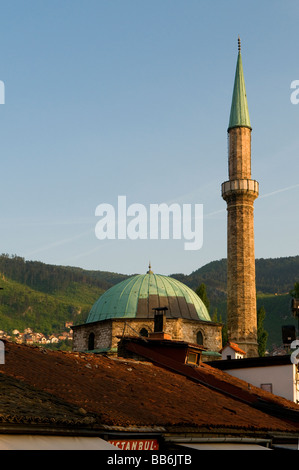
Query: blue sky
{"type": "Point", "coordinates": [132, 97]}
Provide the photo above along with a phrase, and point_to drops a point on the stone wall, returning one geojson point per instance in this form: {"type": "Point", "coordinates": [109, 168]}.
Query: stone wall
{"type": "Point", "coordinates": [102, 335]}
{"type": "Point", "coordinates": [239, 151]}
{"type": "Point", "coordinates": [107, 333]}
{"type": "Point", "coordinates": [130, 327]}
{"type": "Point", "coordinates": [211, 333]}
{"type": "Point", "coordinates": [241, 289]}
{"type": "Point", "coordinates": [241, 300]}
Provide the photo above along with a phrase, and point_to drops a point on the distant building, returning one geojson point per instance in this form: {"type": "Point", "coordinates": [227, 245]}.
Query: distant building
{"type": "Point", "coordinates": [53, 339]}
{"type": "Point", "coordinates": [232, 351]}
{"type": "Point", "coordinates": [28, 331]}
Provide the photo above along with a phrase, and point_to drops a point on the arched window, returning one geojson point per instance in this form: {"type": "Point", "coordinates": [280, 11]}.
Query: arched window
{"type": "Point", "coordinates": [91, 342]}
{"type": "Point", "coordinates": [199, 338]}
{"type": "Point", "coordinates": [143, 332]}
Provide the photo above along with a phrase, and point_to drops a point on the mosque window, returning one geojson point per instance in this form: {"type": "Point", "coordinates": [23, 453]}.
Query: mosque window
{"type": "Point", "coordinates": [199, 338]}
{"type": "Point", "coordinates": [143, 332]}
{"type": "Point", "coordinates": [91, 342]}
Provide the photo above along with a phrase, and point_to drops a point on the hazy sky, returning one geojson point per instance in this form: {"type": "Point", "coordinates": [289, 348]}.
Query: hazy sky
{"type": "Point", "coordinates": [108, 98]}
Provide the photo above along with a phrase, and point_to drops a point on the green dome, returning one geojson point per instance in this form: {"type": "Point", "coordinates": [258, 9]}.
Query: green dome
{"type": "Point", "coordinates": [137, 296]}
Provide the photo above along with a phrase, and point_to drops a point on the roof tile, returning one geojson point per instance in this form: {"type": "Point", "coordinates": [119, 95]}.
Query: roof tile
{"type": "Point", "coordinates": [146, 395]}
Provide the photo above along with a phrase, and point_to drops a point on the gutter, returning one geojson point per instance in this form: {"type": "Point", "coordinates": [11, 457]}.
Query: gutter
{"type": "Point", "coordinates": [217, 440]}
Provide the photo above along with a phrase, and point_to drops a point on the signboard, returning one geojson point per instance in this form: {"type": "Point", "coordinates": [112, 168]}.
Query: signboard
{"type": "Point", "coordinates": [135, 444]}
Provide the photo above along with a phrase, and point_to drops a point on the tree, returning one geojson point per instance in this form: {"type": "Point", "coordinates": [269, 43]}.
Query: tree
{"type": "Point", "coordinates": [262, 334]}
{"type": "Point", "coordinates": [201, 291]}
{"type": "Point", "coordinates": [224, 332]}
{"type": "Point", "coordinates": [295, 304]}
{"type": "Point", "coordinates": [295, 291]}
{"type": "Point", "coordinates": [214, 315]}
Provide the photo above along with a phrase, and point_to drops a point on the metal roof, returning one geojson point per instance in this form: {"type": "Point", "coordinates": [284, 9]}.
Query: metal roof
{"type": "Point", "coordinates": [137, 296]}
{"type": "Point", "coordinates": [239, 114]}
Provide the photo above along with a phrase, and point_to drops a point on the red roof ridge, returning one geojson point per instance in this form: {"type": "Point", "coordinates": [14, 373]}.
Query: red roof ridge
{"type": "Point", "coordinates": [234, 346]}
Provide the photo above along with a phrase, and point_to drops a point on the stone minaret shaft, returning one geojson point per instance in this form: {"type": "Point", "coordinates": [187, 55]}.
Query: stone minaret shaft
{"type": "Point", "coordinates": [239, 192]}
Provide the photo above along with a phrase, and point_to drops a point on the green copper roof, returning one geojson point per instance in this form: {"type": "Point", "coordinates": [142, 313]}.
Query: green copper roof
{"type": "Point", "coordinates": [239, 115]}
{"type": "Point", "coordinates": [137, 296]}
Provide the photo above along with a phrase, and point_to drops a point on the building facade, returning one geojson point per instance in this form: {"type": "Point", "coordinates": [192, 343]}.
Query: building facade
{"type": "Point", "coordinates": [275, 374]}
{"type": "Point", "coordinates": [103, 336]}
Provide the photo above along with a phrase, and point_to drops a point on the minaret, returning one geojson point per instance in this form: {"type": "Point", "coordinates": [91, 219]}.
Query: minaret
{"type": "Point", "coordinates": [239, 192]}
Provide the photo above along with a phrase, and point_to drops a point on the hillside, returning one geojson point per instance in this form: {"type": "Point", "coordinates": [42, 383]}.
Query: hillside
{"type": "Point", "coordinates": [43, 297]}
{"type": "Point", "coordinates": [278, 313]}
{"type": "Point", "coordinates": [275, 277]}
{"type": "Point", "coordinates": [22, 307]}
{"type": "Point", "coordinates": [52, 279]}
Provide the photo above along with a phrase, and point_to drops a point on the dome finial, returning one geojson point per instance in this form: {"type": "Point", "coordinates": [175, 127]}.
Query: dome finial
{"type": "Point", "coordinates": [149, 269]}
{"type": "Point", "coordinates": [239, 44]}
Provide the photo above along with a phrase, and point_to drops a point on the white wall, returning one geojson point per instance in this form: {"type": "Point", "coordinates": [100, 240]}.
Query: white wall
{"type": "Point", "coordinates": [281, 377]}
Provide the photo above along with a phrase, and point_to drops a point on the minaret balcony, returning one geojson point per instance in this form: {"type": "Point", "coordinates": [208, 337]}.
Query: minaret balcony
{"type": "Point", "coordinates": [240, 186]}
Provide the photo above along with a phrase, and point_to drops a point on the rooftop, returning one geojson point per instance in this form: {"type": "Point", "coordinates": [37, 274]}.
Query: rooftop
{"type": "Point", "coordinates": [266, 361]}
{"type": "Point", "coordinates": [137, 296]}
{"type": "Point", "coordinates": [125, 394]}
{"type": "Point", "coordinates": [233, 346]}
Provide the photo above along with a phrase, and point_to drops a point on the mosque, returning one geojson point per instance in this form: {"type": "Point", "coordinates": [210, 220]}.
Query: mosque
{"type": "Point", "coordinates": [150, 304]}
{"type": "Point", "coordinates": [133, 306]}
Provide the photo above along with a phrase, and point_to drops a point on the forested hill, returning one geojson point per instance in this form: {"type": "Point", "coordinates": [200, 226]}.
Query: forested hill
{"type": "Point", "coordinates": [51, 279]}
{"type": "Point", "coordinates": [273, 276]}
{"type": "Point", "coordinates": [43, 296]}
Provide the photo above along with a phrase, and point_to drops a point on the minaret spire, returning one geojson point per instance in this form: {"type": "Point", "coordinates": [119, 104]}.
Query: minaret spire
{"type": "Point", "coordinates": [239, 114]}
{"type": "Point", "coordinates": [239, 192]}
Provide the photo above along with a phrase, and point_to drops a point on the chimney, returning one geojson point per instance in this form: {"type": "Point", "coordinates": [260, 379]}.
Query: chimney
{"type": "Point", "coordinates": [159, 324]}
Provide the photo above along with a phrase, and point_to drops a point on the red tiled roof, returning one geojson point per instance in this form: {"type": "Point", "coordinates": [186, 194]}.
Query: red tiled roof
{"type": "Point", "coordinates": [20, 403]}
{"type": "Point", "coordinates": [129, 393]}
{"type": "Point", "coordinates": [235, 347]}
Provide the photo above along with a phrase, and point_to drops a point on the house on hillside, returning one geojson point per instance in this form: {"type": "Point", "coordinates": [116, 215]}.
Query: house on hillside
{"type": "Point", "coordinates": [53, 339]}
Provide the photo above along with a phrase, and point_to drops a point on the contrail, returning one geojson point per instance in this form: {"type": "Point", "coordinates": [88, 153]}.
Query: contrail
{"type": "Point", "coordinates": [82, 234]}
{"type": "Point", "coordinates": [260, 197]}
{"type": "Point", "coordinates": [58, 243]}
{"type": "Point", "coordinates": [279, 191]}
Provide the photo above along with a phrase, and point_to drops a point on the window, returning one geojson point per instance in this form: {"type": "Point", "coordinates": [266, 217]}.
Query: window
{"type": "Point", "coordinates": [267, 387]}
{"type": "Point", "coordinates": [199, 338]}
{"type": "Point", "coordinates": [91, 342]}
{"type": "Point", "coordinates": [192, 358]}
{"type": "Point", "coordinates": [143, 332]}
